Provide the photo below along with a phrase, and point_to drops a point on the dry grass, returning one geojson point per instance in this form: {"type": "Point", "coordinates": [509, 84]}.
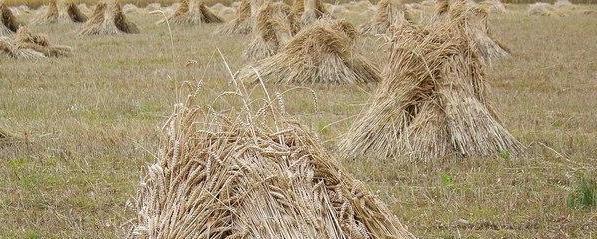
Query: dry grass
{"type": "Point", "coordinates": [93, 120]}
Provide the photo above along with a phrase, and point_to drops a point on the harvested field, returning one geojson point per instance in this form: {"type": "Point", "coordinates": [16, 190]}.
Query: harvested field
{"type": "Point", "coordinates": [92, 124]}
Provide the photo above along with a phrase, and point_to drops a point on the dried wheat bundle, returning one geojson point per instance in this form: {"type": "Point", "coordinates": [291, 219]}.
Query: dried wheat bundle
{"type": "Point", "coordinates": [9, 49]}
{"type": "Point", "coordinates": [75, 14]}
{"type": "Point", "coordinates": [321, 53]}
{"type": "Point", "coordinates": [255, 6]}
{"type": "Point", "coordinates": [433, 101]}
{"type": "Point", "coordinates": [207, 16]}
{"type": "Point", "coordinates": [273, 30]}
{"type": "Point", "coordinates": [24, 9]}
{"type": "Point", "coordinates": [31, 46]}
{"type": "Point", "coordinates": [489, 48]}
{"type": "Point", "coordinates": [298, 7]}
{"type": "Point", "coordinates": [108, 19]}
{"type": "Point", "coordinates": [313, 11]}
{"type": "Point", "coordinates": [51, 14]}
{"type": "Point", "coordinates": [193, 12]}
{"type": "Point", "coordinates": [242, 23]}
{"type": "Point", "coordinates": [19, 10]}
{"type": "Point", "coordinates": [252, 173]}
{"type": "Point", "coordinates": [477, 29]}
{"type": "Point", "coordinates": [441, 10]}
{"type": "Point", "coordinates": [6, 47]}
{"type": "Point", "coordinates": [58, 11]}
{"type": "Point", "coordinates": [26, 40]}
{"type": "Point", "coordinates": [388, 13]}
{"type": "Point", "coordinates": [9, 23]}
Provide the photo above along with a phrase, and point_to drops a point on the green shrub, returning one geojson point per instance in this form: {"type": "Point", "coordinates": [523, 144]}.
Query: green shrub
{"type": "Point", "coordinates": [583, 194]}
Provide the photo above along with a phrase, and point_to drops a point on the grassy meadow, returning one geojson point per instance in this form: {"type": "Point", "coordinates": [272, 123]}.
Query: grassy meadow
{"type": "Point", "coordinates": [92, 124]}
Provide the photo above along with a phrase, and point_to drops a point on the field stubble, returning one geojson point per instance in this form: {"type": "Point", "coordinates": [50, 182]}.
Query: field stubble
{"type": "Point", "coordinates": [93, 122]}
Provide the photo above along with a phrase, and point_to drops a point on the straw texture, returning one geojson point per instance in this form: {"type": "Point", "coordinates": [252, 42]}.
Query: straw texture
{"type": "Point", "coordinates": [433, 101]}
{"type": "Point", "coordinates": [252, 173]}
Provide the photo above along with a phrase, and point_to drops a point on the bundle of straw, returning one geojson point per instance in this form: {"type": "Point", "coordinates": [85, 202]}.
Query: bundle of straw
{"type": "Point", "coordinates": [242, 23]}
{"type": "Point", "coordinates": [388, 13]}
{"type": "Point", "coordinates": [193, 12]}
{"type": "Point", "coordinates": [108, 19]}
{"type": "Point", "coordinates": [313, 11]}
{"type": "Point", "coordinates": [298, 7]}
{"type": "Point", "coordinates": [6, 47]}
{"type": "Point", "coordinates": [256, 5]}
{"type": "Point", "coordinates": [74, 13]}
{"type": "Point", "coordinates": [32, 46]}
{"type": "Point", "coordinates": [51, 13]}
{"type": "Point", "coordinates": [8, 22]}
{"type": "Point", "coordinates": [273, 30]}
{"type": "Point", "coordinates": [478, 30]}
{"type": "Point", "coordinates": [58, 11]}
{"type": "Point", "coordinates": [321, 53]}
{"type": "Point", "coordinates": [433, 101]}
{"type": "Point", "coordinates": [252, 173]}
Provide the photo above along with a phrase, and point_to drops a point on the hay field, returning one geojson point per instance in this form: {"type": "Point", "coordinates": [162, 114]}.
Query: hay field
{"type": "Point", "coordinates": [93, 119]}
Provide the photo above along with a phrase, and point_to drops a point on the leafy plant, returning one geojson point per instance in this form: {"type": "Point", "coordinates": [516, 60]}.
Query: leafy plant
{"type": "Point", "coordinates": [583, 195]}
{"type": "Point", "coordinates": [505, 154]}
{"type": "Point", "coordinates": [447, 180]}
